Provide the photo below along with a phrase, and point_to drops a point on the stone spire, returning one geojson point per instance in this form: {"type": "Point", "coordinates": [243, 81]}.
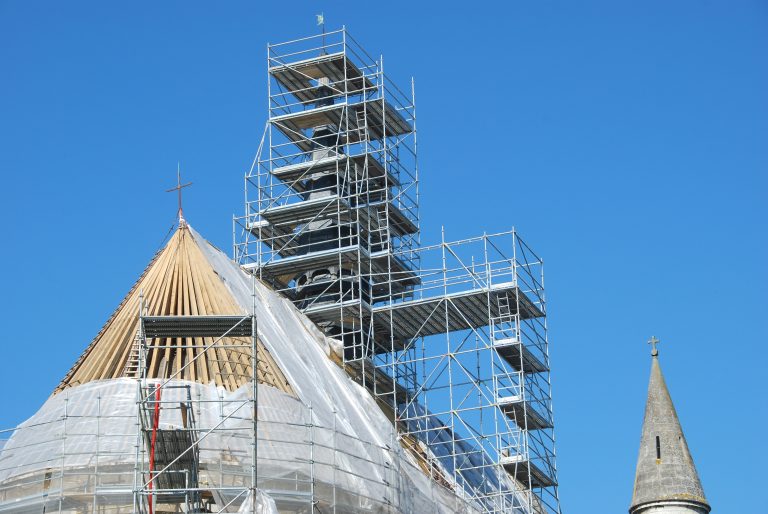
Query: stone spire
{"type": "Point", "coordinates": [665, 480]}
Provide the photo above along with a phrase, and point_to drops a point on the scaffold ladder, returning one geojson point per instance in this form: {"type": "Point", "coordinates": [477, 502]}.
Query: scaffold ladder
{"type": "Point", "coordinates": [131, 368]}
{"type": "Point", "coordinates": [383, 227]}
{"type": "Point", "coordinates": [361, 124]}
{"type": "Point", "coordinates": [505, 313]}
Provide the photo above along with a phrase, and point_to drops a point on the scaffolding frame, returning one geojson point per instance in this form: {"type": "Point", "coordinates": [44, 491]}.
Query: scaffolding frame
{"type": "Point", "coordinates": [103, 487]}
{"type": "Point", "coordinates": [159, 463]}
{"type": "Point", "coordinates": [453, 336]}
{"type": "Point", "coordinates": [477, 340]}
{"type": "Point", "coordinates": [176, 450]}
{"type": "Point", "coordinates": [366, 210]}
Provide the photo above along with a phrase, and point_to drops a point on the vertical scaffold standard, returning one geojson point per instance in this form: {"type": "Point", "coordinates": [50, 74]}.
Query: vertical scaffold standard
{"type": "Point", "coordinates": [450, 338]}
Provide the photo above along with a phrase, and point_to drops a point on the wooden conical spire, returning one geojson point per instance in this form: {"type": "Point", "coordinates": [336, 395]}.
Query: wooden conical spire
{"type": "Point", "coordinates": [179, 281]}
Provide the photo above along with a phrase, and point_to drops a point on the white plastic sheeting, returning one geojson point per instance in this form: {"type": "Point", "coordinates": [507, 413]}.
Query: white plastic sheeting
{"type": "Point", "coordinates": [260, 503]}
{"type": "Point", "coordinates": [331, 445]}
{"type": "Point", "coordinates": [83, 441]}
{"type": "Point", "coordinates": [301, 351]}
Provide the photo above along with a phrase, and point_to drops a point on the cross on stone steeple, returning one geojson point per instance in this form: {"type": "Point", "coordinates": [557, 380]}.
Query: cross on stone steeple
{"type": "Point", "coordinates": [653, 341]}
{"type": "Point", "coordinates": [666, 480]}
{"type": "Point", "coordinates": [179, 187]}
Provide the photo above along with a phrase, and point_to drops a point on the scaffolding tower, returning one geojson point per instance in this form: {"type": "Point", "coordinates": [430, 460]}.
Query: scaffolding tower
{"type": "Point", "coordinates": [167, 465]}
{"type": "Point", "coordinates": [335, 211]}
{"type": "Point", "coordinates": [453, 336]}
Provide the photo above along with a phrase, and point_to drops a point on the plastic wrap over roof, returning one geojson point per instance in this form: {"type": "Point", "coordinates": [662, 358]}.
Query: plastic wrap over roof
{"type": "Point", "coordinates": [322, 438]}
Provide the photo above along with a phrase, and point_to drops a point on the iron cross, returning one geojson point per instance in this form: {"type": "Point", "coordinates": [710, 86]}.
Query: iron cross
{"type": "Point", "coordinates": [179, 187]}
{"type": "Point", "coordinates": [653, 341]}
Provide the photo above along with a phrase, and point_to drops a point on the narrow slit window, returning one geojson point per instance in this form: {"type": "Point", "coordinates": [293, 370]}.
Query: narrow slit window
{"type": "Point", "coordinates": [658, 448]}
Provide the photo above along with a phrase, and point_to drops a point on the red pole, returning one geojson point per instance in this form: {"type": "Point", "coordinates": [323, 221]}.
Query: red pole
{"type": "Point", "coordinates": [155, 422]}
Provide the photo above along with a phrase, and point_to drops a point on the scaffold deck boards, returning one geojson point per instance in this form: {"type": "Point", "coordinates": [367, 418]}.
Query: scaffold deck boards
{"type": "Point", "coordinates": [380, 119]}
{"type": "Point", "coordinates": [362, 169]}
{"type": "Point", "coordinates": [454, 311]}
{"type": "Point", "coordinates": [519, 356]}
{"type": "Point", "coordinates": [522, 413]}
{"type": "Point", "coordinates": [300, 77]}
{"type": "Point", "coordinates": [293, 214]}
{"type": "Point", "coordinates": [196, 326]}
{"type": "Point", "coordinates": [378, 381]}
{"type": "Point", "coordinates": [288, 217]}
{"type": "Point", "coordinates": [374, 265]}
{"type": "Point", "coordinates": [523, 470]}
{"type": "Point", "coordinates": [337, 310]}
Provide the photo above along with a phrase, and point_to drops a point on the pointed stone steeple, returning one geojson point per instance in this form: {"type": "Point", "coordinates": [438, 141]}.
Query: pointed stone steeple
{"type": "Point", "coordinates": [666, 480]}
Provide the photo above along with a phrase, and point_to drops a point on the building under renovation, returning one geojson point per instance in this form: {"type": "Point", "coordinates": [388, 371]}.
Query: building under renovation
{"type": "Point", "coordinates": [334, 364]}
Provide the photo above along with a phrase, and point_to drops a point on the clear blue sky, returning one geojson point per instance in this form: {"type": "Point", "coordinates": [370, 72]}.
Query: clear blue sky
{"type": "Point", "coordinates": [625, 140]}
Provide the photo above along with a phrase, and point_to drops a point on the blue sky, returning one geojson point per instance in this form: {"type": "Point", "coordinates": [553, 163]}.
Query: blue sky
{"type": "Point", "coordinates": [625, 140]}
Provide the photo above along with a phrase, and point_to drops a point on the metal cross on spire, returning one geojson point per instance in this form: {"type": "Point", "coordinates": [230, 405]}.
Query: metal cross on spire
{"type": "Point", "coordinates": [179, 187]}
{"type": "Point", "coordinates": [653, 341]}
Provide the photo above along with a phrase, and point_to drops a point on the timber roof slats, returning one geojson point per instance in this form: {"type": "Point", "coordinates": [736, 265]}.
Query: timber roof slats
{"type": "Point", "coordinates": [155, 358]}
{"type": "Point", "coordinates": [156, 295]}
{"type": "Point", "coordinates": [179, 282]}
{"type": "Point", "coordinates": [185, 355]}
{"type": "Point", "coordinates": [170, 345]}
{"type": "Point", "coordinates": [190, 351]}
{"type": "Point", "coordinates": [222, 354]}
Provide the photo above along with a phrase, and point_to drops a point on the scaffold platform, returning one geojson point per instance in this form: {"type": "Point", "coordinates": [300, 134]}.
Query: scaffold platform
{"type": "Point", "coordinates": [522, 413]}
{"type": "Point", "coordinates": [356, 122]}
{"type": "Point", "coordinates": [328, 311]}
{"type": "Point", "coordinates": [454, 311]}
{"type": "Point", "coordinates": [284, 241]}
{"type": "Point", "coordinates": [518, 355]}
{"type": "Point", "coordinates": [374, 265]}
{"type": "Point", "coordinates": [379, 382]}
{"type": "Point", "coordinates": [290, 215]}
{"type": "Point", "coordinates": [524, 471]}
{"type": "Point", "coordinates": [355, 166]}
{"type": "Point", "coordinates": [300, 77]}
{"type": "Point", "coordinates": [196, 326]}
{"type": "Point", "coordinates": [293, 214]}
{"type": "Point", "coordinates": [175, 451]}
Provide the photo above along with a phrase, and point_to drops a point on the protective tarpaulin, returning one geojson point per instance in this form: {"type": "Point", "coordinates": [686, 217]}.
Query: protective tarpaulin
{"type": "Point", "coordinates": [83, 441]}
{"type": "Point", "coordinates": [259, 503]}
{"type": "Point", "coordinates": [329, 448]}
